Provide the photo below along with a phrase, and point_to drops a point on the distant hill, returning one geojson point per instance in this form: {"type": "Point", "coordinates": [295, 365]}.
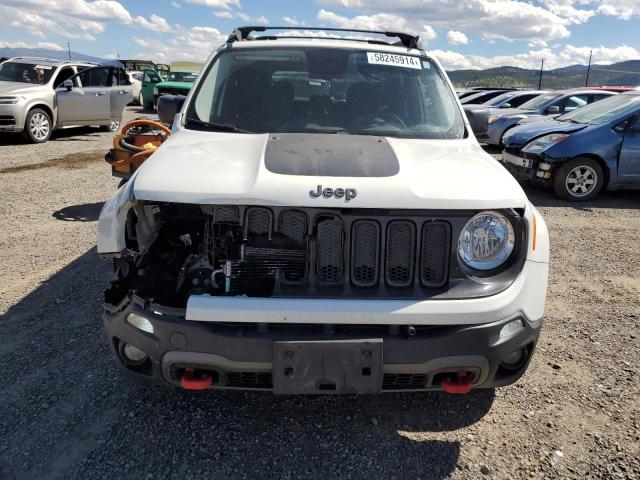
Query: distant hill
{"type": "Point", "coordinates": [621, 73]}
{"type": "Point", "coordinates": [44, 52]}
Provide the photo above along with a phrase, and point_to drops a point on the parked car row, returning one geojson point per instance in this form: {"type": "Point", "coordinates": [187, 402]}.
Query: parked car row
{"type": "Point", "coordinates": [39, 95]}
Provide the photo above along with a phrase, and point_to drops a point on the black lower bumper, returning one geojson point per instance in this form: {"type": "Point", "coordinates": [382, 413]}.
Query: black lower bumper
{"type": "Point", "coordinates": [241, 356]}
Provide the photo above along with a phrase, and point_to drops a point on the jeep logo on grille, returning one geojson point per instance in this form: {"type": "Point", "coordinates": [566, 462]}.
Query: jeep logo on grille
{"type": "Point", "coordinates": [346, 193]}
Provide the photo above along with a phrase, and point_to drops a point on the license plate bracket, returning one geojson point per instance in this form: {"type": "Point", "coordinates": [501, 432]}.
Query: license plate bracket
{"type": "Point", "coordinates": [328, 367]}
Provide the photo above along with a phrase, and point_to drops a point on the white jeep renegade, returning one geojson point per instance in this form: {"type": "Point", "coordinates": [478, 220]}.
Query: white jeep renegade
{"type": "Point", "coordinates": [323, 220]}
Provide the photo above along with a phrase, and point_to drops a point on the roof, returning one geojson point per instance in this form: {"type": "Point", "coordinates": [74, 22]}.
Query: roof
{"type": "Point", "coordinates": [50, 61]}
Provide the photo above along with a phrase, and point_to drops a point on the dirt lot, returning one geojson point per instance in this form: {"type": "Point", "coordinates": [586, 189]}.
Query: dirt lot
{"type": "Point", "coordinates": [66, 412]}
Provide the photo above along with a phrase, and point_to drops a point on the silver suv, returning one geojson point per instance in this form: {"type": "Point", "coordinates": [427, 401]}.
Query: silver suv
{"type": "Point", "coordinates": [38, 95]}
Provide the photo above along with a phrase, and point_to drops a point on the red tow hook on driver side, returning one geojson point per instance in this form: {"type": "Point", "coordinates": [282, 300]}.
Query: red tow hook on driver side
{"type": "Point", "coordinates": [195, 381]}
{"type": "Point", "coordinates": [462, 384]}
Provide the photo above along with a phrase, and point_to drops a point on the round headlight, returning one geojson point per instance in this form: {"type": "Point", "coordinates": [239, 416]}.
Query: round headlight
{"type": "Point", "coordinates": [486, 241]}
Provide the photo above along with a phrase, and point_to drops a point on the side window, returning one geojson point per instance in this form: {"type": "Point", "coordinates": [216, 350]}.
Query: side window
{"type": "Point", "coordinates": [95, 77]}
{"type": "Point", "coordinates": [516, 102]}
{"type": "Point", "coordinates": [569, 104]}
{"type": "Point", "coordinates": [599, 96]}
{"type": "Point", "coordinates": [123, 78]}
{"type": "Point", "coordinates": [63, 74]}
{"type": "Point", "coordinates": [151, 76]}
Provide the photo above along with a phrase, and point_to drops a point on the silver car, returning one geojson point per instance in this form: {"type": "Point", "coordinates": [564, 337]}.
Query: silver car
{"type": "Point", "coordinates": [39, 95]}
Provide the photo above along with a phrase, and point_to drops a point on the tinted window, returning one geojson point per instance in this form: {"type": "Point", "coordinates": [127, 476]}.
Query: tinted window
{"type": "Point", "coordinates": [569, 104]}
{"type": "Point", "coordinates": [540, 101]}
{"type": "Point", "coordinates": [95, 77]}
{"type": "Point", "coordinates": [151, 76]}
{"type": "Point", "coordinates": [123, 78]}
{"type": "Point", "coordinates": [63, 74]}
{"type": "Point", "coordinates": [326, 90]}
{"type": "Point", "coordinates": [612, 108]}
{"type": "Point", "coordinates": [517, 101]}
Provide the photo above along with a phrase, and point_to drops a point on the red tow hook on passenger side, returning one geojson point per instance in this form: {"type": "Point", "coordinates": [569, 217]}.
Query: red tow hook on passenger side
{"type": "Point", "coordinates": [462, 384]}
{"type": "Point", "coordinates": [195, 381]}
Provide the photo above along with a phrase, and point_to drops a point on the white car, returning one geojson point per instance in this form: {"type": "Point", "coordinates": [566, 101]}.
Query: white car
{"type": "Point", "coordinates": [135, 78]}
{"type": "Point", "coordinates": [322, 220]}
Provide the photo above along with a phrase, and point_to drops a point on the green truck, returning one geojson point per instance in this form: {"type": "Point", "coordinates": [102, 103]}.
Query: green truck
{"type": "Point", "coordinates": [179, 82]}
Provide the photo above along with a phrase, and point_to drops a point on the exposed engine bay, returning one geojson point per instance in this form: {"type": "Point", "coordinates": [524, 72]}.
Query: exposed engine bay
{"type": "Point", "coordinates": [190, 249]}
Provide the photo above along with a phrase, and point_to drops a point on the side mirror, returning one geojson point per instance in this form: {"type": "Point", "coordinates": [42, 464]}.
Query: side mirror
{"type": "Point", "coordinates": [68, 84]}
{"type": "Point", "coordinates": [169, 106]}
{"type": "Point", "coordinates": [505, 105]}
{"type": "Point", "coordinates": [553, 110]}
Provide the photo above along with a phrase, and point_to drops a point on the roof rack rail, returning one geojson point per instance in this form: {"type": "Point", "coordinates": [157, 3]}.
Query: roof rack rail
{"type": "Point", "coordinates": [244, 33]}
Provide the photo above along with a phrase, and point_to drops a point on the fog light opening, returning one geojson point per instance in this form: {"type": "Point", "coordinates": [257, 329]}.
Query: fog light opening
{"type": "Point", "coordinates": [132, 355]}
{"type": "Point", "coordinates": [515, 360]}
{"type": "Point", "coordinates": [140, 322]}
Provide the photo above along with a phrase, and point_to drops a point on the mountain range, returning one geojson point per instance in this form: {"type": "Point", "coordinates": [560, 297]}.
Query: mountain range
{"type": "Point", "coordinates": [621, 73]}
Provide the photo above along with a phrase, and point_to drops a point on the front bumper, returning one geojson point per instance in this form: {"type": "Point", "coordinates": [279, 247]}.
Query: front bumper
{"type": "Point", "coordinates": [528, 169]}
{"type": "Point", "coordinates": [12, 118]}
{"type": "Point", "coordinates": [241, 355]}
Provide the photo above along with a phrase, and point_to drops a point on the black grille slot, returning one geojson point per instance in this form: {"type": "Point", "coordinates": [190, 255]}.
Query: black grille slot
{"type": "Point", "coordinates": [436, 241]}
{"type": "Point", "coordinates": [7, 120]}
{"type": "Point", "coordinates": [330, 257]}
{"type": "Point", "coordinates": [365, 253]}
{"type": "Point", "coordinates": [400, 253]}
{"type": "Point", "coordinates": [404, 381]}
{"type": "Point", "coordinates": [249, 380]}
{"type": "Point", "coordinates": [293, 225]}
{"type": "Point", "coordinates": [259, 221]}
{"type": "Point", "coordinates": [226, 214]}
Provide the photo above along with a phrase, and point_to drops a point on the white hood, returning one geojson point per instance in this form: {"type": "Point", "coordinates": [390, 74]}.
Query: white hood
{"type": "Point", "coordinates": [229, 168]}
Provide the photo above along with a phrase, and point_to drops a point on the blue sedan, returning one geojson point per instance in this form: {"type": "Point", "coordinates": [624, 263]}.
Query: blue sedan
{"type": "Point", "coordinates": [582, 152]}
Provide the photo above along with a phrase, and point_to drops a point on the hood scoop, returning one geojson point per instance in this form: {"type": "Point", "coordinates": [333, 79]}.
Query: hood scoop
{"type": "Point", "coordinates": [330, 155]}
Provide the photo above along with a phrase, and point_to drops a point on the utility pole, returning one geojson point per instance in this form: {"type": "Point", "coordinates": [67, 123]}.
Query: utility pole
{"type": "Point", "coordinates": [69, 49]}
{"type": "Point", "coordinates": [540, 79]}
{"type": "Point", "coordinates": [588, 69]}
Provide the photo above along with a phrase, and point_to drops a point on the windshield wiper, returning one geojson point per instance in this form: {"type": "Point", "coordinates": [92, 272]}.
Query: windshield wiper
{"type": "Point", "coordinates": [221, 127]}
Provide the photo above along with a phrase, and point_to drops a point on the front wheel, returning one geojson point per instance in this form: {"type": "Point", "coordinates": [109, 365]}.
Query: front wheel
{"type": "Point", "coordinates": [37, 126]}
{"type": "Point", "coordinates": [578, 180]}
{"type": "Point", "coordinates": [114, 126]}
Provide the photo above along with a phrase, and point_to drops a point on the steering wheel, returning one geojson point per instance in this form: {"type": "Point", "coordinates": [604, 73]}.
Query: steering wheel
{"type": "Point", "coordinates": [385, 117]}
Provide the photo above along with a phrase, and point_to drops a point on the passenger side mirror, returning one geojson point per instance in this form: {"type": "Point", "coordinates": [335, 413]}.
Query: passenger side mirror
{"type": "Point", "coordinates": [169, 106]}
{"type": "Point", "coordinates": [505, 105]}
{"type": "Point", "coordinates": [68, 84]}
{"type": "Point", "coordinates": [553, 110]}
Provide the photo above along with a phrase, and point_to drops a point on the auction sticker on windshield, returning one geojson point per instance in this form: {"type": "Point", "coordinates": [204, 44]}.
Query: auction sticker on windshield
{"type": "Point", "coordinates": [380, 58]}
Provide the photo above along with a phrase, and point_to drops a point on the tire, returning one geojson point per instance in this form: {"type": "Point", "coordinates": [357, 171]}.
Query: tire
{"type": "Point", "coordinates": [113, 127]}
{"type": "Point", "coordinates": [37, 126]}
{"type": "Point", "coordinates": [578, 180]}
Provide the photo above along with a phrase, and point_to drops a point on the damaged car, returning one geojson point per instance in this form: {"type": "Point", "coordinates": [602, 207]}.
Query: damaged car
{"type": "Point", "coordinates": [322, 221]}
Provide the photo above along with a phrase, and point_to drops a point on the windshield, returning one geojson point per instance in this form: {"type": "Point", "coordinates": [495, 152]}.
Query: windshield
{"type": "Point", "coordinates": [604, 110]}
{"type": "Point", "coordinates": [540, 101]}
{"type": "Point", "coordinates": [326, 90]}
{"type": "Point", "coordinates": [182, 77]}
{"type": "Point", "coordinates": [500, 99]}
{"type": "Point", "coordinates": [26, 72]}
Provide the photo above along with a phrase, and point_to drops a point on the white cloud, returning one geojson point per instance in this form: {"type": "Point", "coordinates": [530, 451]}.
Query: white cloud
{"type": "Point", "coordinates": [176, 4]}
{"type": "Point", "coordinates": [223, 14]}
{"type": "Point", "coordinates": [427, 33]}
{"type": "Point", "coordinates": [195, 43]}
{"type": "Point", "coordinates": [380, 21]}
{"type": "Point", "coordinates": [97, 9]}
{"type": "Point", "coordinates": [624, 9]}
{"type": "Point", "coordinates": [457, 38]}
{"type": "Point", "coordinates": [493, 19]}
{"type": "Point", "coordinates": [567, 55]}
{"type": "Point", "coordinates": [224, 4]}
{"type": "Point", "coordinates": [155, 23]}
{"type": "Point", "coordinates": [293, 21]}
{"type": "Point", "coordinates": [47, 45]}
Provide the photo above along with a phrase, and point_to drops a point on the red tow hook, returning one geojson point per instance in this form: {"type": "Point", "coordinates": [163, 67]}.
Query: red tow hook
{"type": "Point", "coordinates": [192, 381]}
{"type": "Point", "coordinates": [462, 384]}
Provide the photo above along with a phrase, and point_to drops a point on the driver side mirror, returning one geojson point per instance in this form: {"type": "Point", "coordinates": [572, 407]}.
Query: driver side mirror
{"type": "Point", "coordinates": [505, 105]}
{"type": "Point", "coordinates": [68, 84]}
{"type": "Point", "coordinates": [553, 110]}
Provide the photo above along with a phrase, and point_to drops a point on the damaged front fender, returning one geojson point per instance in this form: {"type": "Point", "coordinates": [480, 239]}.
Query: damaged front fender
{"type": "Point", "coordinates": [113, 219]}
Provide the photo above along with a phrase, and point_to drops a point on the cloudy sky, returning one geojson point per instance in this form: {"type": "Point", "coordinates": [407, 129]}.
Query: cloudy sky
{"type": "Point", "coordinates": [461, 33]}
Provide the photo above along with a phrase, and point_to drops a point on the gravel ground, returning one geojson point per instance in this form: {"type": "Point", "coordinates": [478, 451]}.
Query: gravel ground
{"type": "Point", "coordinates": [66, 412]}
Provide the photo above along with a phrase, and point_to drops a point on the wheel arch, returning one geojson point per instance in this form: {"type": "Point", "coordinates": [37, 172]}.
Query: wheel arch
{"type": "Point", "coordinates": [46, 108]}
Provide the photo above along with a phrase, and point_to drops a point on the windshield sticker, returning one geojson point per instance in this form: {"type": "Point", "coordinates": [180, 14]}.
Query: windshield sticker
{"type": "Point", "coordinates": [405, 61]}
{"type": "Point", "coordinates": [42, 67]}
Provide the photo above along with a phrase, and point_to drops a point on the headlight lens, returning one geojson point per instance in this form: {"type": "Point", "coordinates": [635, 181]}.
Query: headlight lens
{"type": "Point", "coordinates": [486, 241]}
{"type": "Point", "coordinates": [543, 143]}
{"type": "Point", "coordinates": [11, 100]}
